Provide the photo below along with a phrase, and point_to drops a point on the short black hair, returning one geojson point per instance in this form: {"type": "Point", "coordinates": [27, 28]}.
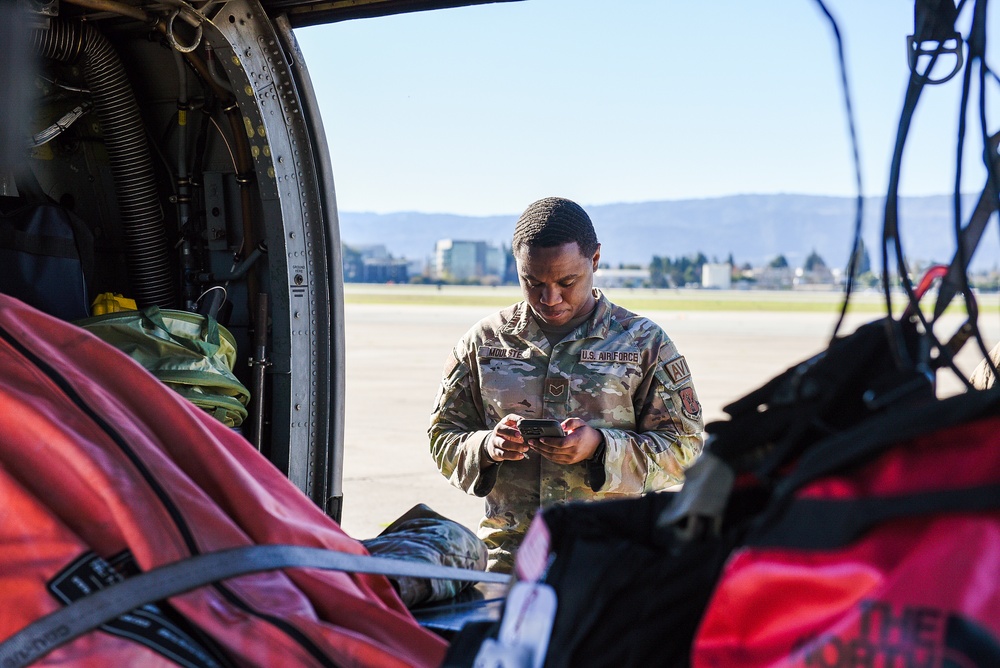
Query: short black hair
{"type": "Point", "coordinates": [554, 221]}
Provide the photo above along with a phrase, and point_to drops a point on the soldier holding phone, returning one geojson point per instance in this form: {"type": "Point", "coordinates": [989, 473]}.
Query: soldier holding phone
{"type": "Point", "coordinates": [612, 380]}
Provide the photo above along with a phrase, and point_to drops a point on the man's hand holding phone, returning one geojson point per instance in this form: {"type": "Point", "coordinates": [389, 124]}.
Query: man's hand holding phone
{"type": "Point", "coordinates": [506, 442]}
{"type": "Point", "coordinates": [532, 428]}
{"type": "Point", "coordinates": [579, 444]}
{"type": "Point", "coordinates": [514, 436]}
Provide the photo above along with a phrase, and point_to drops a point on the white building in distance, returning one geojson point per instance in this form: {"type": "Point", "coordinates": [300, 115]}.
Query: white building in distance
{"type": "Point", "coordinates": [717, 275]}
{"type": "Point", "coordinates": [605, 277]}
{"type": "Point", "coordinates": [457, 260]}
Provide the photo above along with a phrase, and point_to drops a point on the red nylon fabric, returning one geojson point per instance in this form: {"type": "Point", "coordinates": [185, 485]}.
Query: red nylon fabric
{"type": "Point", "coordinates": [962, 457]}
{"type": "Point", "coordinates": [66, 487]}
{"type": "Point", "coordinates": [911, 592]}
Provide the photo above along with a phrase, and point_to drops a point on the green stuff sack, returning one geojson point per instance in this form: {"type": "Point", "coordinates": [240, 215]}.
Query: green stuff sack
{"type": "Point", "coordinates": [191, 353]}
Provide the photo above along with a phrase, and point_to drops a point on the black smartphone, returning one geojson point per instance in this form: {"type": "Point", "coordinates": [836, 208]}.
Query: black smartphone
{"type": "Point", "coordinates": [535, 428]}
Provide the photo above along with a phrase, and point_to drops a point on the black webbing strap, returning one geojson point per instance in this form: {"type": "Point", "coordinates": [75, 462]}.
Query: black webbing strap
{"type": "Point", "coordinates": [802, 523]}
{"type": "Point", "coordinates": [59, 627]}
{"type": "Point", "coordinates": [934, 19]}
{"type": "Point", "coordinates": [933, 30]}
{"type": "Point", "coordinates": [822, 524]}
{"type": "Point", "coordinates": [37, 244]}
{"type": "Point", "coordinates": [869, 439]}
{"type": "Point", "coordinates": [969, 238]}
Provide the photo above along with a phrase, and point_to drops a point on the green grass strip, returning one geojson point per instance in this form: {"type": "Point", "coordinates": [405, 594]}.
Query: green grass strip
{"type": "Point", "coordinates": [775, 304]}
{"type": "Point", "coordinates": [429, 300]}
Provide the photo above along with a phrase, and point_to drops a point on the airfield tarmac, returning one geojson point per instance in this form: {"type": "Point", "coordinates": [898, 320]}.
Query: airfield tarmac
{"type": "Point", "coordinates": [395, 354]}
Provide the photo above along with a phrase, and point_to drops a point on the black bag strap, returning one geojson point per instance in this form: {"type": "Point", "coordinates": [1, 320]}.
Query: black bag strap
{"type": "Point", "coordinates": [933, 28]}
{"type": "Point", "coordinates": [969, 238]}
{"type": "Point", "coordinates": [57, 628]}
{"type": "Point", "coordinates": [815, 524]}
{"type": "Point", "coordinates": [16, 240]}
{"type": "Point", "coordinates": [819, 524]}
{"type": "Point", "coordinates": [881, 432]}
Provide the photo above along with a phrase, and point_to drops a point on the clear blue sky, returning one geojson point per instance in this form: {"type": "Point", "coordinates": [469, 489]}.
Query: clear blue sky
{"type": "Point", "coordinates": [481, 110]}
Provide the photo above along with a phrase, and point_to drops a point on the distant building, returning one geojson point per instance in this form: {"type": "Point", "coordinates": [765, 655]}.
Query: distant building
{"type": "Point", "coordinates": [456, 260]}
{"type": "Point", "coordinates": [422, 267]}
{"type": "Point", "coordinates": [717, 275]}
{"type": "Point", "coordinates": [820, 275]}
{"type": "Point", "coordinates": [372, 251]}
{"type": "Point", "coordinates": [373, 264]}
{"type": "Point", "coordinates": [773, 278]}
{"type": "Point", "coordinates": [385, 271]}
{"type": "Point", "coordinates": [620, 278]}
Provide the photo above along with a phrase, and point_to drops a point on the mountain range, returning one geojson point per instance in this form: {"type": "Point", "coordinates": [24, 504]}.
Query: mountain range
{"type": "Point", "coordinates": [753, 228]}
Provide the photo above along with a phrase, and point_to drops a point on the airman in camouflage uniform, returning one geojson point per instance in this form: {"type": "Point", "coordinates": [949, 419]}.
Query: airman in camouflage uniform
{"type": "Point", "coordinates": [614, 380]}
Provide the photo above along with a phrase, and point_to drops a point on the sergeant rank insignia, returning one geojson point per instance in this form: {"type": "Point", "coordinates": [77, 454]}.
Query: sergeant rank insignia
{"type": "Point", "coordinates": [555, 389]}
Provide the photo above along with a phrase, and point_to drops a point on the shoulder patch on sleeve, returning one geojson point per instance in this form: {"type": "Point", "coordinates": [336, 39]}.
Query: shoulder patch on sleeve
{"type": "Point", "coordinates": [689, 403]}
{"type": "Point", "coordinates": [677, 369]}
{"type": "Point", "coordinates": [450, 364]}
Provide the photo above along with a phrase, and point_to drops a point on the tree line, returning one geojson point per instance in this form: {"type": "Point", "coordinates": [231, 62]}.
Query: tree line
{"type": "Point", "coordinates": [673, 273]}
{"type": "Point", "coordinates": [665, 272]}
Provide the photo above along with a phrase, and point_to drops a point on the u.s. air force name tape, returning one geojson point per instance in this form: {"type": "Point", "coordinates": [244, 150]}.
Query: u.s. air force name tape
{"type": "Point", "coordinates": [610, 356]}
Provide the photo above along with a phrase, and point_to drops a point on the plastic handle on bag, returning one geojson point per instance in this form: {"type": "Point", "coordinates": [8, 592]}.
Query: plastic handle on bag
{"type": "Point", "coordinates": [207, 345]}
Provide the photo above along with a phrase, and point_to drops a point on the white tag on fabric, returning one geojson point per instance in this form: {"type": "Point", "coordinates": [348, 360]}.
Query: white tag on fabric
{"type": "Point", "coordinates": [494, 655]}
{"type": "Point", "coordinates": [529, 614]}
{"type": "Point", "coordinates": [532, 560]}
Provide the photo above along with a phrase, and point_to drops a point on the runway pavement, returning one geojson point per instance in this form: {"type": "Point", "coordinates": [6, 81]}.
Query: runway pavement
{"type": "Point", "coordinates": [395, 355]}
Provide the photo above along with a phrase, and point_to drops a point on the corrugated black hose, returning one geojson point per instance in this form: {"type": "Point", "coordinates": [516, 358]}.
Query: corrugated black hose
{"type": "Point", "coordinates": [131, 163]}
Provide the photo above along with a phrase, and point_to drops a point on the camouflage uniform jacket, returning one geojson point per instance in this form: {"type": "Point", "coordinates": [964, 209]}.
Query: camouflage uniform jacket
{"type": "Point", "coordinates": [618, 371]}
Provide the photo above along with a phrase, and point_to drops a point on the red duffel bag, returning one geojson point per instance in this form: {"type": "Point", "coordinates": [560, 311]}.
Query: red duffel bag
{"type": "Point", "coordinates": [890, 561]}
{"type": "Point", "coordinates": [105, 473]}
